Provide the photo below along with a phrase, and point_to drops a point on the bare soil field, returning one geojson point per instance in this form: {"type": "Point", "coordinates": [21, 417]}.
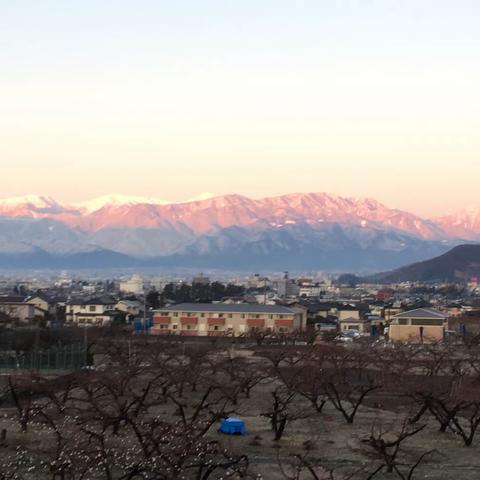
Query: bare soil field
{"type": "Point", "coordinates": [113, 414]}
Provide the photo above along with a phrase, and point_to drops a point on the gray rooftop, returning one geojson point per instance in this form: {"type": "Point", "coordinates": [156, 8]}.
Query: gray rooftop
{"type": "Point", "coordinates": [421, 313]}
{"type": "Point", "coordinates": [354, 320]}
{"type": "Point", "coordinates": [228, 308]}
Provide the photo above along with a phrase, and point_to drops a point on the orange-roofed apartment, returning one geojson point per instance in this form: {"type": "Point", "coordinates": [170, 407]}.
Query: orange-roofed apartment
{"type": "Point", "coordinates": [207, 319]}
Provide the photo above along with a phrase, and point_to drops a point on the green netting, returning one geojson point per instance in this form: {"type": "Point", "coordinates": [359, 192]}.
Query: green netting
{"type": "Point", "coordinates": [69, 357]}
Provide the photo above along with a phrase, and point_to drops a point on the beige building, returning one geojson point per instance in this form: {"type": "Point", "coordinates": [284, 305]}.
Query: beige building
{"type": "Point", "coordinates": [89, 312]}
{"type": "Point", "coordinates": [207, 319]}
{"type": "Point", "coordinates": [390, 312]}
{"type": "Point", "coordinates": [347, 311]}
{"type": "Point", "coordinates": [358, 324]}
{"type": "Point", "coordinates": [134, 285]}
{"type": "Point", "coordinates": [132, 308]}
{"type": "Point", "coordinates": [39, 302]}
{"type": "Point", "coordinates": [422, 325]}
{"type": "Point", "coordinates": [18, 312]}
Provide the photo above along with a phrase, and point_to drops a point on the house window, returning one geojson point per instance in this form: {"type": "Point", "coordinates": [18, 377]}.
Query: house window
{"type": "Point", "coordinates": [164, 314]}
{"type": "Point", "coordinates": [174, 327]}
{"type": "Point", "coordinates": [83, 307]}
{"type": "Point", "coordinates": [215, 327]}
{"type": "Point", "coordinates": [175, 314]}
{"type": "Point", "coordinates": [92, 308]}
{"type": "Point", "coordinates": [230, 315]}
{"type": "Point", "coordinates": [202, 315]}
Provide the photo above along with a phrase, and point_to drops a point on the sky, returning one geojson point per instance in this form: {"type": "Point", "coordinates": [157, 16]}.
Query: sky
{"type": "Point", "coordinates": [376, 98]}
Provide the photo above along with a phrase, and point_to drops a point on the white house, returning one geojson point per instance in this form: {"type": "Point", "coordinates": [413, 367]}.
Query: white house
{"type": "Point", "coordinates": [90, 312]}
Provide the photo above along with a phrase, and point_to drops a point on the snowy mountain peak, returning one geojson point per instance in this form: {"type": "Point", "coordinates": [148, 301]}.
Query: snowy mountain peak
{"type": "Point", "coordinates": [464, 224]}
{"type": "Point", "coordinates": [116, 200]}
{"type": "Point", "coordinates": [33, 201]}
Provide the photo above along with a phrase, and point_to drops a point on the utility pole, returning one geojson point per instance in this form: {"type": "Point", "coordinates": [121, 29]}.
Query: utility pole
{"type": "Point", "coordinates": [85, 344]}
{"type": "Point", "coordinates": [144, 326]}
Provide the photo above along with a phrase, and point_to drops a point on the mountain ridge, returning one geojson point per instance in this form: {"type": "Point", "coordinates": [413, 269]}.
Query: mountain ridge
{"type": "Point", "coordinates": [458, 264]}
{"type": "Point", "coordinates": [112, 210]}
{"type": "Point", "coordinates": [317, 230]}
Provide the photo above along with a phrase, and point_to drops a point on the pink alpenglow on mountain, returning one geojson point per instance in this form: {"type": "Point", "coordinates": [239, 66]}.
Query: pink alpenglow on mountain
{"type": "Point", "coordinates": [211, 214]}
{"type": "Point", "coordinates": [299, 230]}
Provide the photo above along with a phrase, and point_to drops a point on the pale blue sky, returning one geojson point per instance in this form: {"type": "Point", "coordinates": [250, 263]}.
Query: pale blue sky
{"type": "Point", "coordinates": [171, 99]}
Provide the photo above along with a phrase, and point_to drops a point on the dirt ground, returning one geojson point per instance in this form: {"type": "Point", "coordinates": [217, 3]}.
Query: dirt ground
{"type": "Point", "coordinates": [337, 443]}
{"type": "Point", "coordinates": [340, 446]}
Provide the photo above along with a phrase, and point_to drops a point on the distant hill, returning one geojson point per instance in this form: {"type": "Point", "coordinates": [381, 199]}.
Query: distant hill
{"type": "Point", "coordinates": [40, 259]}
{"type": "Point", "coordinates": [458, 264]}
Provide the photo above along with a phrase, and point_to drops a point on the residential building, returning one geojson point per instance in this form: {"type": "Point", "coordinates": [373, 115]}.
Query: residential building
{"type": "Point", "coordinates": [43, 305]}
{"type": "Point", "coordinates": [390, 312]}
{"type": "Point", "coordinates": [97, 312]}
{"type": "Point", "coordinates": [132, 308]}
{"type": "Point", "coordinates": [385, 294]}
{"type": "Point", "coordinates": [18, 312]}
{"type": "Point", "coordinates": [207, 319]}
{"type": "Point", "coordinates": [454, 310]}
{"type": "Point", "coordinates": [360, 325]}
{"type": "Point", "coordinates": [422, 325]}
{"type": "Point", "coordinates": [310, 290]}
{"type": "Point", "coordinates": [347, 312]}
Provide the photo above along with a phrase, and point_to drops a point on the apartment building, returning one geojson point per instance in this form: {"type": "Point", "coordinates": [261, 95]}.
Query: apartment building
{"type": "Point", "coordinates": [206, 319]}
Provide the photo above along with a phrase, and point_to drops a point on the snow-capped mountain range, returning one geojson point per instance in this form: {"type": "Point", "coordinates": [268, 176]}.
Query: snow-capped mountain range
{"type": "Point", "coordinates": [304, 230]}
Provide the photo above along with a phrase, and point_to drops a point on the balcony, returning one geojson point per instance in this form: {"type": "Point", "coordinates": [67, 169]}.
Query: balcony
{"type": "Point", "coordinates": [160, 331]}
{"type": "Point", "coordinates": [186, 333]}
{"type": "Point", "coordinates": [256, 322]}
{"type": "Point", "coordinates": [159, 319]}
{"type": "Point", "coordinates": [216, 321]}
{"type": "Point", "coordinates": [286, 323]}
{"type": "Point", "coordinates": [188, 320]}
{"type": "Point", "coordinates": [216, 333]}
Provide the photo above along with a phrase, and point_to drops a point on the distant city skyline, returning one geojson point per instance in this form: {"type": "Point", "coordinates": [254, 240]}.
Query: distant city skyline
{"type": "Point", "coordinates": [172, 99]}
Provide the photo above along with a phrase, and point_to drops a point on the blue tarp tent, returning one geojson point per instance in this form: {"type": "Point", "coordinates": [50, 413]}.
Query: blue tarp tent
{"type": "Point", "coordinates": [232, 426]}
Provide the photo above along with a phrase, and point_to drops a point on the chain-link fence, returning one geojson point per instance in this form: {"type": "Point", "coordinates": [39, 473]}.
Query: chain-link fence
{"type": "Point", "coordinates": [68, 357]}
